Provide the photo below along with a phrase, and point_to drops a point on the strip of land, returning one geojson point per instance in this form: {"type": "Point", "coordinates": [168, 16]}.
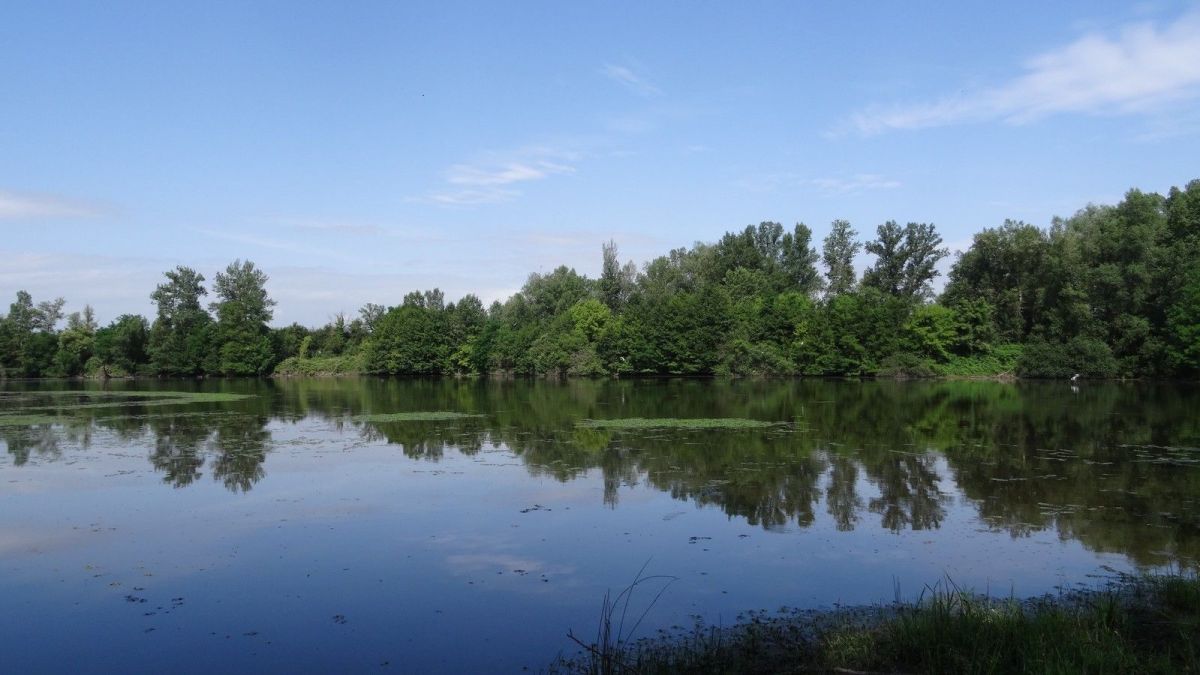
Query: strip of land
{"type": "Point", "coordinates": [1148, 624]}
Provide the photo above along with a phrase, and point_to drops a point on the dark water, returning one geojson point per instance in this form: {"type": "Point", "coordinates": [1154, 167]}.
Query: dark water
{"type": "Point", "coordinates": [276, 533]}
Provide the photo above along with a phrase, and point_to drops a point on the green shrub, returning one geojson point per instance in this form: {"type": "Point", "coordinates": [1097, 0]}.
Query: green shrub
{"type": "Point", "coordinates": [906, 366]}
{"type": "Point", "coordinates": [344, 364]}
{"type": "Point", "coordinates": [1086, 356]}
{"type": "Point", "coordinates": [1001, 360]}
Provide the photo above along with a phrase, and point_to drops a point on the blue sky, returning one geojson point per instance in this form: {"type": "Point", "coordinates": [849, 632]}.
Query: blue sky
{"type": "Point", "coordinates": [357, 151]}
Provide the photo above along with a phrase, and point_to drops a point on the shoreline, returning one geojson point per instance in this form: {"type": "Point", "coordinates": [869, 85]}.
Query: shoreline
{"type": "Point", "coordinates": [1143, 623]}
{"type": "Point", "coordinates": [509, 376]}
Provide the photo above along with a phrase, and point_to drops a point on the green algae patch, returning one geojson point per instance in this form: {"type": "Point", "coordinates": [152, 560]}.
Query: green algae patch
{"type": "Point", "coordinates": [26, 420]}
{"type": "Point", "coordinates": [126, 399]}
{"type": "Point", "coordinates": [433, 416]}
{"type": "Point", "coordinates": [631, 423]}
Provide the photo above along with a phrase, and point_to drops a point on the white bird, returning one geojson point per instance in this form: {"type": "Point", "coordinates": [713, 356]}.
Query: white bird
{"type": "Point", "coordinates": [1075, 377]}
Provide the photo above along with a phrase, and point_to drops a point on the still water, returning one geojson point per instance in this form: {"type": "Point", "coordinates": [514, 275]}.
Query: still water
{"type": "Point", "coordinates": [274, 529]}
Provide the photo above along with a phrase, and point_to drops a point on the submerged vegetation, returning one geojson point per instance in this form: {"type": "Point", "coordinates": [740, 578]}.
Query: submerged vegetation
{"type": "Point", "coordinates": [1113, 291]}
{"type": "Point", "coordinates": [673, 423]}
{"type": "Point", "coordinates": [1147, 624]}
{"type": "Point", "coordinates": [435, 416]}
{"type": "Point", "coordinates": [26, 420]}
{"type": "Point", "coordinates": [130, 399]}
{"type": "Point", "coordinates": [63, 406]}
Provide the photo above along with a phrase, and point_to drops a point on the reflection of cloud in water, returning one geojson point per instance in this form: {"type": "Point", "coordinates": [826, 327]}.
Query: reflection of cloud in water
{"type": "Point", "coordinates": [474, 553]}
{"type": "Point", "coordinates": [490, 562]}
{"type": "Point", "coordinates": [16, 541]}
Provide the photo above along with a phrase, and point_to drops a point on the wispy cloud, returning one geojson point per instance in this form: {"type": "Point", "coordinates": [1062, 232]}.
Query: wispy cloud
{"type": "Point", "coordinates": [473, 197]}
{"type": "Point", "coordinates": [632, 81]}
{"type": "Point", "coordinates": [859, 182]}
{"type": "Point", "coordinates": [24, 206]}
{"type": "Point", "coordinates": [1139, 70]}
{"type": "Point", "coordinates": [495, 178]}
{"type": "Point", "coordinates": [331, 226]}
{"type": "Point", "coordinates": [505, 174]}
{"type": "Point", "coordinates": [831, 185]}
{"type": "Point", "coordinates": [289, 246]}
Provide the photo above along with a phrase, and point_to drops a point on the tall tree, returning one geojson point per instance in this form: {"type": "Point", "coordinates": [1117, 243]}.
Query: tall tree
{"type": "Point", "coordinates": [838, 251]}
{"type": "Point", "coordinates": [370, 314]}
{"type": "Point", "coordinates": [1004, 268]}
{"type": "Point", "coordinates": [798, 261]}
{"type": "Point", "coordinates": [180, 336]}
{"type": "Point", "coordinates": [615, 282]}
{"type": "Point", "coordinates": [906, 259]}
{"type": "Point", "coordinates": [243, 311]}
{"type": "Point", "coordinates": [121, 345]}
{"type": "Point", "coordinates": [76, 343]}
{"type": "Point", "coordinates": [407, 341]}
{"type": "Point", "coordinates": [27, 340]}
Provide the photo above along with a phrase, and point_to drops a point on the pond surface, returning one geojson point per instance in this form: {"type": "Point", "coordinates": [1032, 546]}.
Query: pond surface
{"type": "Point", "coordinates": [325, 525]}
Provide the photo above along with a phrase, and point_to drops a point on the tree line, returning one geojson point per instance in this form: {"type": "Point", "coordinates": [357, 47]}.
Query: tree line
{"type": "Point", "coordinates": [1112, 291]}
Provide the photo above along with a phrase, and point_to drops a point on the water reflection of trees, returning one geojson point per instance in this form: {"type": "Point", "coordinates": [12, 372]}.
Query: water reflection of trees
{"type": "Point", "coordinates": [231, 439]}
{"type": "Point", "coordinates": [40, 440]}
{"type": "Point", "coordinates": [1027, 457]}
{"type": "Point", "coordinates": [1113, 466]}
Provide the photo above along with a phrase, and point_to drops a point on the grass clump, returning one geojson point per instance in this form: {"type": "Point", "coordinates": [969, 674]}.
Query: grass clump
{"type": "Point", "coordinates": [628, 423]}
{"type": "Point", "coordinates": [1140, 624]}
{"type": "Point", "coordinates": [432, 416]}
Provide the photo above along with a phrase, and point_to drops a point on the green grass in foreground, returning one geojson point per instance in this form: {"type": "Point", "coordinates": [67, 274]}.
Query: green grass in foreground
{"type": "Point", "coordinates": [1140, 625]}
{"type": "Point", "coordinates": [434, 416]}
{"type": "Point", "coordinates": [676, 423]}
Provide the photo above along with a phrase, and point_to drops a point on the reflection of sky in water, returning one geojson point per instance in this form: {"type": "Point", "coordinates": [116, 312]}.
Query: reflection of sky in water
{"type": "Point", "coordinates": [483, 560]}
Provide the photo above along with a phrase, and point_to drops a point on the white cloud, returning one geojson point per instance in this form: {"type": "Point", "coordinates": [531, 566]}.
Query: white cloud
{"type": "Point", "coordinates": [472, 197]}
{"type": "Point", "coordinates": [504, 174]}
{"type": "Point", "coordinates": [493, 179]}
{"type": "Point", "coordinates": [331, 226]}
{"type": "Point", "coordinates": [630, 80]}
{"type": "Point", "coordinates": [856, 183]}
{"type": "Point", "coordinates": [832, 185]}
{"type": "Point", "coordinates": [17, 206]}
{"type": "Point", "coordinates": [1139, 70]}
{"type": "Point", "coordinates": [288, 245]}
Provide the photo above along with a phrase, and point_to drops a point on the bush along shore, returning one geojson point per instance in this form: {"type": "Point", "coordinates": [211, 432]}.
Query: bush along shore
{"type": "Point", "coordinates": [1110, 292]}
{"type": "Point", "coordinates": [1144, 624]}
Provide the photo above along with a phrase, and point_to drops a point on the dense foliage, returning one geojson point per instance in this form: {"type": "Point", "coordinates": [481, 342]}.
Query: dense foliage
{"type": "Point", "coordinates": [1113, 291]}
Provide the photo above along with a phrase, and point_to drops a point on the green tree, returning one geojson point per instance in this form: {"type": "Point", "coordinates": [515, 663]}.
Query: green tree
{"type": "Point", "coordinates": [243, 310]}
{"type": "Point", "coordinates": [1184, 326]}
{"type": "Point", "coordinates": [76, 343]}
{"type": "Point", "coordinates": [121, 345]}
{"type": "Point", "coordinates": [465, 321]}
{"type": "Point", "coordinates": [616, 282]}
{"type": "Point", "coordinates": [838, 252]}
{"type": "Point", "coordinates": [181, 337]}
{"type": "Point", "coordinates": [28, 342]}
{"type": "Point", "coordinates": [1004, 267]}
{"type": "Point", "coordinates": [906, 259]}
{"type": "Point", "coordinates": [798, 261]}
{"type": "Point", "coordinates": [407, 341]}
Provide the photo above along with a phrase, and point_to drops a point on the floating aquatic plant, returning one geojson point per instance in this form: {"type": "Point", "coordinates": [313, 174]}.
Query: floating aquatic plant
{"type": "Point", "coordinates": [677, 423]}
{"type": "Point", "coordinates": [26, 420]}
{"type": "Point", "coordinates": [427, 416]}
{"type": "Point", "coordinates": [139, 398]}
